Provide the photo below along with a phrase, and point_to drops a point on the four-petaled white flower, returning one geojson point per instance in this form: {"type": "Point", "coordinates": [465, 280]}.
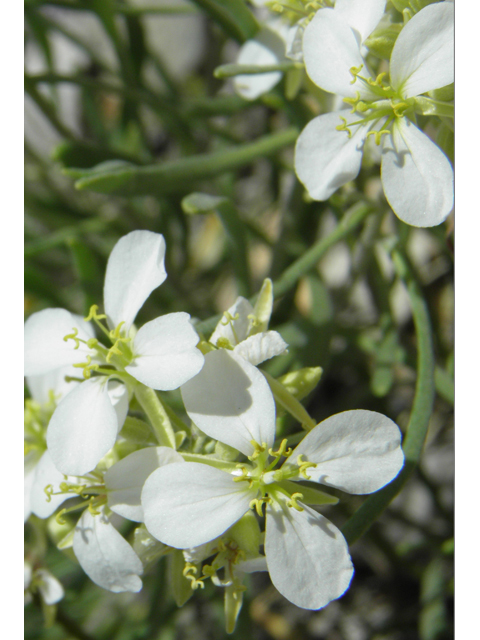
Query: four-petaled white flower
{"type": "Point", "coordinates": [243, 328]}
{"type": "Point", "coordinates": [275, 42]}
{"type": "Point", "coordinates": [416, 175]}
{"type": "Point", "coordinates": [162, 354]}
{"type": "Point", "coordinates": [189, 504]}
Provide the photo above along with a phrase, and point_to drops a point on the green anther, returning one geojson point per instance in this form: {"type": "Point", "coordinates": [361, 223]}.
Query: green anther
{"type": "Point", "coordinates": [73, 336]}
{"type": "Point", "coordinates": [93, 315]}
{"type": "Point", "coordinates": [344, 127]}
{"type": "Point", "coordinates": [378, 135]}
{"type": "Point", "coordinates": [224, 343]}
{"type": "Point", "coordinates": [114, 351]}
{"type": "Point", "coordinates": [115, 333]}
{"type": "Point", "coordinates": [303, 466]}
{"type": "Point", "coordinates": [62, 512]}
{"type": "Point", "coordinates": [244, 475]}
{"type": "Point", "coordinates": [293, 501]}
{"type": "Point", "coordinates": [378, 82]}
{"type": "Point", "coordinates": [87, 367]}
{"type": "Point", "coordinates": [355, 71]}
{"type": "Point", "coordinates": [92, 508]}
{"type": "Point", "coordinates": [399, 108]}
{"type": "Point", "coordinates": [282, 450]}
{"type": "Point", "coordinates": [258, 449]}
{"type": "Point", "coordinates": [257, 503]}
{"type": "Point", "coordinates": [354, 102]}
{"type": "Point", "coordinates": [189, 573]}
{"type": "Point", "coordinates": [227, 318]}
{"type": "Point", "coordinates": [49, 492]}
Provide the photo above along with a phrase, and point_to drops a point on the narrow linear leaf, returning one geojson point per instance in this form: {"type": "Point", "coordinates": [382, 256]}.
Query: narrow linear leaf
{"type": "Point", "coordinates": [124, 179]}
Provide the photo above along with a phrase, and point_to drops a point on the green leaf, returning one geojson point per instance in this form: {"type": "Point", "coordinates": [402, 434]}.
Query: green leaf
{"type": "Point", "coordinates": [233, 16]}
{"type": "Point", "coordinates": [302, 382]}
{"type": "Point", "coordinates": [181, 587]}
{"type": "Point", "coordinates": [83, 154]}
{"type": "Point", "coordinates": [124, 179]}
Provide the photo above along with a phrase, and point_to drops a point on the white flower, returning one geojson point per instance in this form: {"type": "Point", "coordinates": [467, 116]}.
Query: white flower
{"type": "Point", "coordinates": [270, 46]}
{"type": "Point", "coordinates": [188, 504]}
{"type": "Point", "coordinates": [41, 580]}
{"type": "Point", "coordinates": [417, 177]}
{"type": "Point", "coordinates": [243, 328]}
{"type": "Point", "coordinates": [162, 354]}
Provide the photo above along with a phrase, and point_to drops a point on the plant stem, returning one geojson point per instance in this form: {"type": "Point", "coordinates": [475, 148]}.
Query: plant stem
{"type": "Point", "coordinates": [150, 403]}
{"type": "Point", "coordinates": [417, 428]}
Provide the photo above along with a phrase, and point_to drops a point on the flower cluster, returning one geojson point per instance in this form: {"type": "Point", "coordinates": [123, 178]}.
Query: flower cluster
{"type": "Point", "coordinates": [196, 492]}
{"type": "Point", "coordinates": [394, 79]}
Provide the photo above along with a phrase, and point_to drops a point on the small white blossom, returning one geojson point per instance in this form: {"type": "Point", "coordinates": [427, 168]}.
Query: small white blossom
{"type": "Point", "coordinates": [162, 354]}
{"type": "Point", "coordinates": [416, 175]}
{"type": "Point", "coordinates": [188, 504]}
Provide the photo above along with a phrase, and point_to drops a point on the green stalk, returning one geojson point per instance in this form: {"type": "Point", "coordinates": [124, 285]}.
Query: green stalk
{"type": "Point", "coordinates": [232, 70]}
{"type": "Point", "coordinates": [177, 175]}
{"type": "Point", "coordinates": [155, 411]}
{"type": "Point", "coordinates": [352, 218]}
{"type": "Point", "coordinates": [417, 428]}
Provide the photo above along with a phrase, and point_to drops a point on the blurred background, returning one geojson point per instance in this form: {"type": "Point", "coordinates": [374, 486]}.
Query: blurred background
{"type": "Point", "coordinates": [115, 88]}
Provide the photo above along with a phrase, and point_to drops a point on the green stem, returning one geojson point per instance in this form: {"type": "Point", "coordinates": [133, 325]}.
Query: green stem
{"type": "Point", "coordinates": [417, 428]}
{"type": "Point", "coordinates": [232, 70]}
{"type": "Point", "coordinates": [290, 403]}
{"type": "Point", "coordinates": [155, 411]}
{"type": "Point", "coordinates": [352, 218]}
{"type": "Point", "coordinates": [178, 175]}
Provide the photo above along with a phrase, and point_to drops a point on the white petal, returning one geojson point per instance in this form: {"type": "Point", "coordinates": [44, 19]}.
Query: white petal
{"type": "Point", "coordinates": [105, 556]}
{"type": "Point", "coordinates": [83, 428]}
{"type": "Point", "coordinates": [50, 588]}
{"type": "Point", "coordinates": [294, 41]}
{"type": "Point", "coordinates": [417, 176]}
{"type": "Point", "coordinates": [330, 50]}
{"type": "Point", "coordinates": [265, 49]}
{"type": "Point", "coordinates": [165, 352]}
{"type": "Point", "coordinates": [134, 269]}
{"type": "Point", "coordinates": [45, 348]}
{"type": "Point", "coordinates": [362, 17]}
{"type": "Point", "coordinates": [46, 473]}
{"type": "Point", "coordinates": [30, 465]}
{"type": "Point", "coordinates": [118, 394]}
{"type": "Point", "coordinates": [125, 479]}
{"type": "Point", "coordinates": [307, 556]}
{"type": "Point", "coordinates": [356, 451]}
{"type": "Point", "coordinates": [326, 159]}
{"type": "Point", "coordinates": [186, 505]}
{"type": "Point", "coordinates": [237, 330]}
{"type": "Point", "coordinates": [422, 58]}
{"type": "Point", "coordinates": [261, 347]}
{"type": "Point", "coordinates": [42, 385]}
{"type": "Point", "coordinates": [231, 401]}
{"type": "Point", "coordinates": [27, 574]}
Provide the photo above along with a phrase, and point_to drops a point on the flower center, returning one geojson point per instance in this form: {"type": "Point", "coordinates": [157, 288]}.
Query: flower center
{"type": "Point", "coordinates": [385, 103]}
{"type": "Point", "coordinates": [269, 481]}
